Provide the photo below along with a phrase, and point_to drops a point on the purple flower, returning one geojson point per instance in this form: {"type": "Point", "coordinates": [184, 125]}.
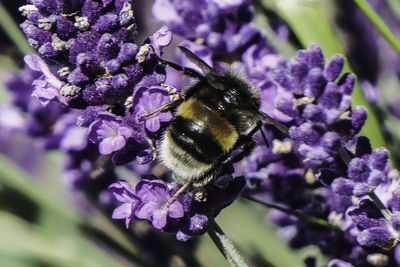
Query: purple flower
{"type": "Point", "coordinates": [123, 192]}
{"type": "Point", "coordinates": [379, 227]}
{"type": "Point", "coordinates": [374, 230]}
{"type": "Point", "coordinates": [154, 196]}
{"type": "Point", "coordinates": [147, 100]}
{"type": "Point", "coordinates": [19, 84]}
{"type": "Point", "coordinates": [185, 216]}
{"type": "Point", "coordinates": [109, 133]}
{"type": "Point", "coordinates": [161, 39]}
{"type": "Point", "coordinates": [72, 137]}
{"type": "Point", "coordinates": [48, 86]}
{"type": "Point", "coordinates": [147, 201]}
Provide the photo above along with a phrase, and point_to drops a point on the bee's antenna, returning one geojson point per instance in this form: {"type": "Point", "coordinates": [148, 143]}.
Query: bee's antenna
{"type": "Point", "coordinates": [186, 71]}
{"type": "Point", "coordinates": [265, 117]}
{"type": "Point", "coordinates": [205, 68]}
{"type": "Point", "coordinates": [212, 76]}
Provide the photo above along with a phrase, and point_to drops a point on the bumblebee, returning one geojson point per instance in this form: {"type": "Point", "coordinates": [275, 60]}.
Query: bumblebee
{"type": "Point", "coordinates": [217, 114]}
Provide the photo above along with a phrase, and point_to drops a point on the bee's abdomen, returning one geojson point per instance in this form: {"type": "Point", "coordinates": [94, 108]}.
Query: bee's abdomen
{"type": "Point", "coordinates": [203, 130]}
{"type": "Point", "coordinates": [195, 139]}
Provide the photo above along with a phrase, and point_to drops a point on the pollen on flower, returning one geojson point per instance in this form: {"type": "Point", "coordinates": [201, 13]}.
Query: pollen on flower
{"type": "Point", "coordinates": [143, 52]}
{"type": "Point", "coordinates": [82, 23]}
{"type": "Point", "coordinates": [69, 90]}
{"type": "Point", "coordinates": [26, 9]}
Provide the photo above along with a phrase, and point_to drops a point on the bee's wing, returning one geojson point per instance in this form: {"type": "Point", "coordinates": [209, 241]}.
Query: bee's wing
{"type": "Point", "coordinates": [213, 77]}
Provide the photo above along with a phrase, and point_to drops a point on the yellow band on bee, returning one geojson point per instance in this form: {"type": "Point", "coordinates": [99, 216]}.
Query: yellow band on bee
{"type": "Point", "coordinates": [220, 128]}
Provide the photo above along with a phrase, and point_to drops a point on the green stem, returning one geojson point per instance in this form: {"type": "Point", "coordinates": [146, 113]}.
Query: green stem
{"type": "Point", "coordinates": [379, 24]}
{"type": "Point", "coordinates": [225, 246]}
{"type": "Point", "coordinates": [11, 28]}
{"type": "Point", "coordinates": [309, 218]}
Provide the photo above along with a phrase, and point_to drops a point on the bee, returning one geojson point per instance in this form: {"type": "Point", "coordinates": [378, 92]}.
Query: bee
{"type": "Point", "coordinates": [213, 117]}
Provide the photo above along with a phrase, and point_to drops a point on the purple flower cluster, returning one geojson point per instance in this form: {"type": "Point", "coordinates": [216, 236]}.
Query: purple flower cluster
{"type": "Point", "coordinates": [38, 120]}
{"type": "Point", "coordinates": [364, 204]}
{"type": "Point", "coordinates": [222, 26]}
{"type": "Point", "coordinates": [319, 105]}
{"type": "Point", "coordinates": [53, 127]}
{"type": "Point", "coordinates": [185, 216]}
{"type": "Point", "coordinates": [369, 174]}
{"type": "Point", "coordinates": [97, 67]}
{"type": "Point", "coordinates": [93, 46]}
{"type": "Point", "coordinates": [365, 172]}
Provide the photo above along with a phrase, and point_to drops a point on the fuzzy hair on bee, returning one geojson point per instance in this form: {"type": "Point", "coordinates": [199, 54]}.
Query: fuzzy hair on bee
{"type": "Point", "coordinates": [211, 118]}
{"type": "Point", "coordinates": [207, 125]}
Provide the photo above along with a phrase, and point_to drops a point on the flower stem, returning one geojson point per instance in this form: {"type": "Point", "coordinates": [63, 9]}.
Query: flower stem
{"type": "Point", "coordinates": [225, 246]}
{"type": "Point", "coordinates": [379, 24]}
{"type": "Point", "coordinates": [309, 218]}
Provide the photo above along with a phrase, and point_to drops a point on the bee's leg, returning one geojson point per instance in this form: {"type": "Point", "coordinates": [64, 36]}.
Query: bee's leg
{"type": "Point", "coordinates": [153, 148]}
{"type": "Point", "coordinates": [177, 194]}
{"type": "Point", "coordinates": [168, 106]}
{"type": "Point", "coordinates": [248, 144]}
{"type": "Point", "coordinates": [245, 151]}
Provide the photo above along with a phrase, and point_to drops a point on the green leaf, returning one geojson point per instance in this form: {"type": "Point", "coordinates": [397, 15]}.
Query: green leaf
{"type": "Point", "coordinates": [310, 24]}
{"type": "Point", "coordinates": [379, 24]}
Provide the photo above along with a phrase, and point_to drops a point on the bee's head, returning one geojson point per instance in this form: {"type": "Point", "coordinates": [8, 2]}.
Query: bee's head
{"type": "Point", "coordinates": [240, 92]}
{"type": "Point", "coordinates": [241, 98]}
